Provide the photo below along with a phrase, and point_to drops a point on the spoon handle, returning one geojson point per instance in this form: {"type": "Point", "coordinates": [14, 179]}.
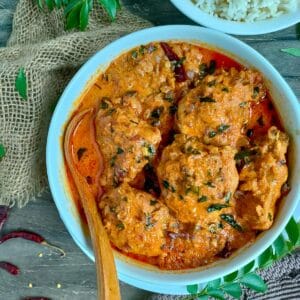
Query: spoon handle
{"type": "Point", "coordinates": [107, 281]}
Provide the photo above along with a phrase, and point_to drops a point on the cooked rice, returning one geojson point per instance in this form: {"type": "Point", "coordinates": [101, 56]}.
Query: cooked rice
{"type": "Point", "coordinates": [246, 10]}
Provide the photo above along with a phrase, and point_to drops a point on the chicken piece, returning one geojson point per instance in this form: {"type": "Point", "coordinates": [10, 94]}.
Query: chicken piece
{"type": "Point", "coordinates": [262, 178]}
{"type": "Point", "coordinates": [144, 70]}
{"type": "Point", "coordinates": [194, 176]}
{"type": "Point", "coordinates": [134, 220]}
{"type": "Point", "coordinates": [127, 143]}
{"type": "Point", "coordinates": [218, 109]}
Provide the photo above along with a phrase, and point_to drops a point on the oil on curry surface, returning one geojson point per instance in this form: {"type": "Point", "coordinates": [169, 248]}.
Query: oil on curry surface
{"type": "Point", "coordinates": [193, 154]}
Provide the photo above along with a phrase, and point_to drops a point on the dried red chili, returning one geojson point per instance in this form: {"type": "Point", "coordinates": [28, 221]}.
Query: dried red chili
{"type": "Point", "coordinates": [36, 298]}
{"type": "Point", "coordinates": [3, 215]}
{"type": "Point", "coordinates": [10, 268]}
{"type": "Point", "coordinates": [30, 236]}
{"type": "Point", "coordinates": [179, 70]}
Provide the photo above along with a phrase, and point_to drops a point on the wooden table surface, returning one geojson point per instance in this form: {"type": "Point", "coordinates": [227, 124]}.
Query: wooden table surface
{"type": "Point", "coordinates": [73, 277]}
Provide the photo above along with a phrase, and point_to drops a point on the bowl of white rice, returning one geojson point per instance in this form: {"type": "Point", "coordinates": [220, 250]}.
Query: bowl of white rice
{"type": "Point", "coordinates": [242, 17]}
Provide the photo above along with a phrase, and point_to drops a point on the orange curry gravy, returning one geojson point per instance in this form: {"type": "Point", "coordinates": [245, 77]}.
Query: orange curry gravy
{"type": "Point", "coordinates": [193, 154]}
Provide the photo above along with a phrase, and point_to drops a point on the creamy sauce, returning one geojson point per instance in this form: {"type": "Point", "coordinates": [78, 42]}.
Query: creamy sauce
{"type": "Point", "coordinates": [193, 155]}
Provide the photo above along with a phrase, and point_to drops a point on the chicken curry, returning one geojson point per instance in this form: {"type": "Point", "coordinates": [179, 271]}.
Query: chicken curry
{"type": "Point", "coordinates": [191, 159]}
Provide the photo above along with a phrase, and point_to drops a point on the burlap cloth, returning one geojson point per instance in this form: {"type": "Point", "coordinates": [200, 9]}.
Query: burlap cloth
{"type": "Point", "coordinates": [50, 57]}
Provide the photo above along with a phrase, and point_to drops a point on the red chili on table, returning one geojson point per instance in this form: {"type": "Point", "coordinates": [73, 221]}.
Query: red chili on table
{"type": "Point", "coordinates": [30, 236]}
{"type": "Point", "coordinates": [179, 70]}
{"type": "Point", "coordinates": [10, 268]}
{"type": "Point", "coordinates": [36, 298]}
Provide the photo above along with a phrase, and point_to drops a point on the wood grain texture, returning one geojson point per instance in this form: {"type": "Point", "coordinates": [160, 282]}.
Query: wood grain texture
{"type": "Point", "coordinates": [75, 272]}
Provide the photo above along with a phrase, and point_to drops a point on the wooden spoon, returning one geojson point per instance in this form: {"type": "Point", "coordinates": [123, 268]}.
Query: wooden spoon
{"type": "Point", "coordinates": [107, 281]}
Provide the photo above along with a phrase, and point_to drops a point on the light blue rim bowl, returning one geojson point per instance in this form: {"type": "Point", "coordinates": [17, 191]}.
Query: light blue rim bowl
{"type": "Point", "coordinates": [284, 100]}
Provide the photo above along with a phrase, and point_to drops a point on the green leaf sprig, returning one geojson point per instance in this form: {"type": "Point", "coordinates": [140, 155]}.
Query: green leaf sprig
{"type": "Point", "coordinates": [2, 151]}
{"type": "Point", "coordinates": [292, 51]}
{"type": "Point", "coordinates": [77, 11]}
{"type": "Point", "coordinates": [231, 284]}
{"type": "Point", "coordinates": [21, 84]}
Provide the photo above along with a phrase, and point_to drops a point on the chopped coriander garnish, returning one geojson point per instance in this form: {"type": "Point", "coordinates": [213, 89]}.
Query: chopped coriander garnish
{"type": "Point", "coordinates": [212, 67]}
{"type": "Point", "coordinates": [113, 160]}
{"type": "Point", "coordinates": [202, 70]}
{"type": "Point", "coordinates": [103, 103]}
{"type": "Point", "coordinates": [207, 99]}
{"type": "Point", "coordinates": [153, 202]}
{"type": "Point", "coordinates": [120, 150]}
{"type": "Point", "coordinates": [202, 198]}
{"type": "Point", "coordinates": [178, 63]}
{"type": "Point", "coordinates": [110, 111]}
{"type": "Point", "coordinates": [156, 112]}
{"type": "Point", "coordinates": [225, 89]}
{"type": "Point", "coordinates": [212, 228]}
{"type": "Point", "coordinates": [255, 92]}
{"type": "Point", "coordinates": [227, 197]}
{"type": "Point", "coordinates": [134, 54]}
{"type": "Point", "coordinates": [169, 97]}
{"type": "Point", "coordinates": [191, 150]}
{"type": "Point", "coordinates": [212, 134]}
{"type": "Point", "coordinates": [148, 221]}
{"type": "Point", "coordinates": [142, 49]}
{"type": "Point", "coordinates": [167, 186]}
{"type": "Point", "coordinates": [245, 153]}
{"type": "Point", "coordinates": [173, 109]}
{"type": "Point", "coordinates": [229, 219]}
{"type": "Point", "coordinates": [193, 189]}
{"type": "Point", "coordinates": [215, 207]}
{"type": "Point", "coordinates": [151, 149]}
{"type": "Point", "coordinates": [243, 104]}
{"type": "Point", "coordinates": [270, 217]}
{"type": "Point", "coordinates": [211, 83]}
{"type": "Point", "coordinates": [210, 184]}
{"type": "Point", "coordinates": [120, 226]}
{"type": "Point", "coordinates": [223, 127]}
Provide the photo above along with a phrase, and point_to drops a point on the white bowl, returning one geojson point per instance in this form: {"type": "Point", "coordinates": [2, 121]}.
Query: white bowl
{"type": "Point", "coordinates": [234, 27]}
{"type": "Point", "coordinates": [285, 101]}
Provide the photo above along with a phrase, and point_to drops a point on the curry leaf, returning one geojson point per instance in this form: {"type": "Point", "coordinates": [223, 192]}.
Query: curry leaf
{"type": "Point", "coordinates": [230, 277]}
{"type": "Point", "coordinates": [292, 51]}
{"type": "Point", "coordinates": [280, 246]}
{"type": "Point", "coordinates": [2, 151]}
{"type": "Point", "coordinates": [192, 289]}
{"type": "Point", "coordinates": [266, 258]}
{"type": "Point", "coordinates": [214, 284]}
{"type": "Point", "coordinates": [50, 4]}
{"type": "Point", "coordinates": [73, 4]}
{"type": "Point", "coordinates": [73, 18]}
{"type": "Point", "coordinates": [202, 297]}
{"type": "Point", "coordinates": [58, 3]}
{"type": "Point", "coordinates": [40, 3]}
{"type": "Point", "coordinates": [21, 83]}
{"type": "Point", "coordinates": [216, 293]}
{"type": "Point", "coordinates": [292, 230]}
{"type": "Point", "coordinates": [233, 290]}
{"type": "Point", "coordinates": [111, 7]}
{"type": "Point", "coordinates": [249, 267]}
{"type": "Point", "coordinates": [254, 282]}
{"type": "Point", "coordinates": [84, 15]}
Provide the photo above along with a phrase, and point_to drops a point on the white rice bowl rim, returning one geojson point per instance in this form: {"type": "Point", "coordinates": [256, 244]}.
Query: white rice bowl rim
{"type": "Point", "coordinates": [235, 27]}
